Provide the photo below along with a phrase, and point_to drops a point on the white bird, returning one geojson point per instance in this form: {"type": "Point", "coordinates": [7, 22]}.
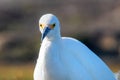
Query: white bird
{"type": "Point", "coordinates": [65, 58]}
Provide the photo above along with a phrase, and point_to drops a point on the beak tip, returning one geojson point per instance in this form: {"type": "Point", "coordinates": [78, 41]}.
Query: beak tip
{"type": "Point", "coordinates": [42, 38]}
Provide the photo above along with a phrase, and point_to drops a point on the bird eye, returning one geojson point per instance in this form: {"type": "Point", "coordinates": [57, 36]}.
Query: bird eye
{"type": "Point", "coordinates": [54, 25]}
{"type": "Point", "coordinates": [41, 26]}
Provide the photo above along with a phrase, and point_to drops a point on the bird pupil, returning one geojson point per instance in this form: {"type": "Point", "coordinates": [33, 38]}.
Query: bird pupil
{"type": "Point", "coordinates": [41, 25]}
{"type": "Point", "coordinates": [53, 25]}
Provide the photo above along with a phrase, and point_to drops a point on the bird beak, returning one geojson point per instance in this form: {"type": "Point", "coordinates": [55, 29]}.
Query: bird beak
{"type": "Point", "coordinates": [45, 32]}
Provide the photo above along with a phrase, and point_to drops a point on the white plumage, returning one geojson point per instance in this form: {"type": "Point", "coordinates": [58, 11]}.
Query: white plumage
{"type": "Point", "coordinates": [64, 58]}
{"type": "Point", "coordinates": [117, 75]}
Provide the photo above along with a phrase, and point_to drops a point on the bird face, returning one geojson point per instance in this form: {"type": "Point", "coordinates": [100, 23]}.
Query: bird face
{"type": "Point", "coordinates": [49, 26]}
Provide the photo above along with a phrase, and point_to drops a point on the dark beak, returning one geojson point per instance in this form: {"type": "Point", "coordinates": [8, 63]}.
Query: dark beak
{"type": "Point", "coordinates": [45, 32]}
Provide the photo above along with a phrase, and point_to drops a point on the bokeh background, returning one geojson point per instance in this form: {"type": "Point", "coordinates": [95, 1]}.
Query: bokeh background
{"type": "Point", "coordinates": [94, 22]}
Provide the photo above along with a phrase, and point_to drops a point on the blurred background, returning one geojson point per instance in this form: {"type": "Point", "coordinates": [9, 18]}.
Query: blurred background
{"type": "Point", "coordinates": [94, 22]}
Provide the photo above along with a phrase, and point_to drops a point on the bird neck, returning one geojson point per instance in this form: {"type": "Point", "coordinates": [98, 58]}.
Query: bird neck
{"type": "Point", "coordinates": [54, 38]}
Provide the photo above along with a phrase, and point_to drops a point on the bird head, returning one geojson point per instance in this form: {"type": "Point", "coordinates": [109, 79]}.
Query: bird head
{"type": "Point", "coordinates": [49, 26]}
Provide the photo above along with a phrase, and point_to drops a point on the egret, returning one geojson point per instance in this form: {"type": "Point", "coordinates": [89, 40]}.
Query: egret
{"type": "Point", "coordinates": [65, 58]}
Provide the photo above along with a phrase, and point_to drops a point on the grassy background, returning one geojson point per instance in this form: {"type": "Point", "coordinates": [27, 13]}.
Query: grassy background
{"type": "Point", "coordinates": [25, 71]}
{"type": "Point", "coordinates": [16, 72]}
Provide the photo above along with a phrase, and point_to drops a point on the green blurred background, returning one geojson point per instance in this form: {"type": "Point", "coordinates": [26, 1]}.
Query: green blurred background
{"type": "Point", "coordinates": [94, 22]}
